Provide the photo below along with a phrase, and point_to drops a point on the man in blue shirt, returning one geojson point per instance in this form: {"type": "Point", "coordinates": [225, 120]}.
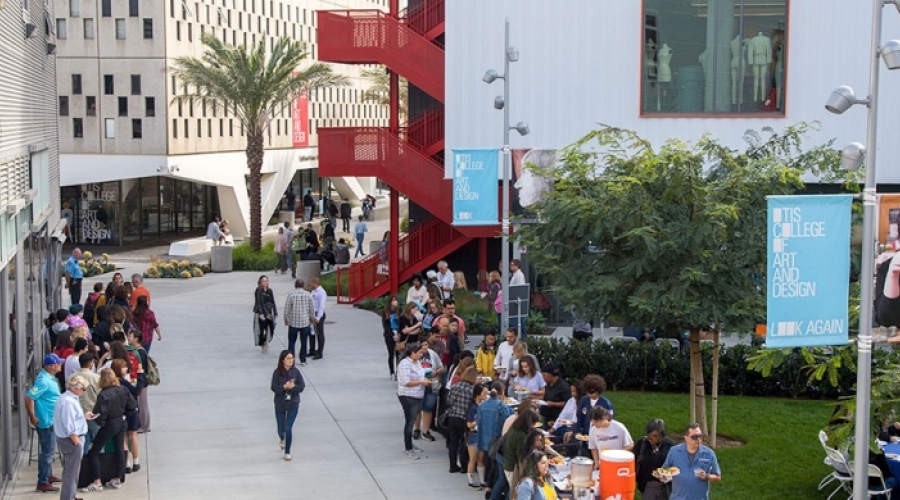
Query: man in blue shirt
{"type": "Point", "coordinates": [40, 403]}
{"type": "Point", "coordinates": [697, 466]}
{"type": "Point", "coordinates": [74, 276]}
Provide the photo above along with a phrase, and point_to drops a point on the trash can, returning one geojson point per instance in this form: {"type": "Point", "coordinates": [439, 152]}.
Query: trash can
{"type": "Point", "coordinates": [308, 269]}
{"type": "Point", "coordinates": [221, 259]}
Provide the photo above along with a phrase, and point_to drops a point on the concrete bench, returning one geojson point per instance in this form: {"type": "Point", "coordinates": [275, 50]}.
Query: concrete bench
{"type": "Point", "coordinates": [185, 248]}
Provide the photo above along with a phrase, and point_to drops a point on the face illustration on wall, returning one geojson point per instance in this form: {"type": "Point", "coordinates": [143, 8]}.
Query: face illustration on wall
{"type": "Point", "coordinates": [530, 186]}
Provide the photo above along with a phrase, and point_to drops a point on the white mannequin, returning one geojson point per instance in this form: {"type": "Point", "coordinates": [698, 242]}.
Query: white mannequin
{"type": "Point", "coordinates": [665, 56]}
{"type": "Point", "coordinates": [759, 55]}
{"type": "Point", "coordinates": [650, 58]}
{"type": "Point", "coordinates": [735, 65]}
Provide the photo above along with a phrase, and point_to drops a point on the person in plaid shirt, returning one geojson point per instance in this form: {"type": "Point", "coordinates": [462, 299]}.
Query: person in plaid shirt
{"type": "Point", "coordinates": [299, 314]}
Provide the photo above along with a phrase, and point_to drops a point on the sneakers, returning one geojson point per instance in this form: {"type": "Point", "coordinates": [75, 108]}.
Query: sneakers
{"type": "Point", "coordinates": [417, 434]}
{"type": "Point", "coordinates": [54, 479]}
{"type": "Point", "coordinates": [417, 449]}
{"type": "Point", "coordinates": [475, 486]}
{"type": "Point", "coordinates": [412, 455]}
{"type": "Point", "coordinates": [46, 488]}
{"type": "Point", "coordinates": [92, 487]}
{"type": "Point", "coordinates": [135, 467]}
{"type": "Point", "coordinates": [287, 457]}
{"type": "Point", "coordinates": [114, 484]}
{"type": "Point", "coordinates": [428, 436]}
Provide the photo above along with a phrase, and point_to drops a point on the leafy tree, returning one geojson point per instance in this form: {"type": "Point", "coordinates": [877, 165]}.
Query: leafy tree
{"type": "Point", "coordinates": [252, 84]}
{"type": "Point", "coordinates": [670, 238]}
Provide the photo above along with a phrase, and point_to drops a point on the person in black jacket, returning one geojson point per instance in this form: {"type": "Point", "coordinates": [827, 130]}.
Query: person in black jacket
{"type": "Point", "coordinates": [113, 403]}
{"type": "Point", "coordinates": [345, 215]}
{"type": "Point", "coordinates": [265, 312]}
{"type": "Point", "coordinates": [650, 453]}
{"type": "Point", "coordinates": [287, 384]}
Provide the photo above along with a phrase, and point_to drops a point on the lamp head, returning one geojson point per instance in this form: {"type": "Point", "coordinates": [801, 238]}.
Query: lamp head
{"type": "Point", "coordinates": [890, 52]}
{"type": "Point", "coordinates": [840, 100]}
{"type": "Point", "coordinates": [852, 156]}
{"type": "Point", "coordinates": [499, 102]}
{"type": "Point", "coordinates": [512, 54]}
{"type": "Point", "coordinates": [490, 76]}
{"type": "Point", "coordinates": [522, 128]}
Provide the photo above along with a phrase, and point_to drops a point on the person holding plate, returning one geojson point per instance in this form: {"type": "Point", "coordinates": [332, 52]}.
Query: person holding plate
{"type": "Point", "coordinates": [697, 465]}
{"type": "Point", "coordinates": [650, 453]}
{"type": "Point", "coordinates": [287, 384]}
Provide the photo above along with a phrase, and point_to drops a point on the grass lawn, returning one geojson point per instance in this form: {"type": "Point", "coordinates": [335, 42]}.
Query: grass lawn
{"type": "Point", "coordinates": [781, 457]}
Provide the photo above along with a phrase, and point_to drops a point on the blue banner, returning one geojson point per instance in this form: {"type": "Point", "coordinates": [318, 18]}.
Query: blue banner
{"type": "Point", "coordinates": [475, 186]}
{"type": "Point", "coordinates": [808, 279]}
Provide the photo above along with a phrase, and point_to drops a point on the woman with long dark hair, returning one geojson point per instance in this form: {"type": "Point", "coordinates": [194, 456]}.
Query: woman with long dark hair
{"type": "Point", "coordinates": [114, 403]}
{"type": "Point", "coordinates": [145, 322]}
{"type": "Point", "coordinates": [516, 442]}
{"type": "Point", "coordinates": [287, 384]}
{"type": "Point", "coordinates": [265, 312]}
{"type": "Point", "coordinates": [390, 323]}
{"type": "Point", "coordinates": [534, 485]}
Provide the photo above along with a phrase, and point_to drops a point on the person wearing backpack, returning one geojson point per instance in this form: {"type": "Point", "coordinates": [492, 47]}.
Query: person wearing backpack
{"type": "Point", "coordinates": [90, 304]}
{"type": "Point", "coordinates": [134, 345]}
{"type": "Point", "coordinates": [145, 322]}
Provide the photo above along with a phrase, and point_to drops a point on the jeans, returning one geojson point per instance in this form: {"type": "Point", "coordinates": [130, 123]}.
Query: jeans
{"type": "Point", "coordinates": [317, 341]}
{"type": "Point", "coordinates": [93, 429]}
{"type": "Point", "coordinates": [71, 454]}
{"type": "Point", "coordinates": [456, 443]}
{"type": "Point", "coordinates": [47, 443]}
{"type": "Point", "coordinates": [500, 485]}
{"type": "Point", "coordinates": [114, 430]}
{"type": "Point", "coordinates": [304, 339]}
{"type": "Point", "coordinates": [307, 213]}
{"type": "Point", "coordinates": [345, 225]}
{"type": "Point", "coordinates": [411, 407]}
{"type": "Point", "coordinates": [289, 258]}
{"type": "Point", "coordinates": [359, 244]}
{"type": "Point", "coordinates": [285, 422]}
{"type": "Point", "coordinates": [266, 330]}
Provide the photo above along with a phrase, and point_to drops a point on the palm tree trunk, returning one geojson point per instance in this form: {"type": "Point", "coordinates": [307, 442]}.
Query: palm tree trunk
{"type": "Point", "coordinates": [255, 151]}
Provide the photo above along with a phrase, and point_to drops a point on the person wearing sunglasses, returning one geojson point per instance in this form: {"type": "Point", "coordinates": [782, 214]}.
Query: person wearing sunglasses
{"type": "Point", "coordinates": [697, 466]}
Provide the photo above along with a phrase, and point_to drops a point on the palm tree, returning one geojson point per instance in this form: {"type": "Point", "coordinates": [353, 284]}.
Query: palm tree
{"type": "Point", "coordinates": [380, 89]}
{"type": "Point", "coordinates": [252, 84]}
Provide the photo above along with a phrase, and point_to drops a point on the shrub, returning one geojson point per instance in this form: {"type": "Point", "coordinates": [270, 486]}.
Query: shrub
{"type": "Point", "coordinates": [245, 259]}
{"type": "Point", "coordinates": [185, 274]}
{"type": "Point", "coordinates": [647, 366]}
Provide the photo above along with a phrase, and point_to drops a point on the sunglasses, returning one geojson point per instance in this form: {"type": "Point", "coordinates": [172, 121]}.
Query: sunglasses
{"type": "Point", "coordinates": [696, 437]}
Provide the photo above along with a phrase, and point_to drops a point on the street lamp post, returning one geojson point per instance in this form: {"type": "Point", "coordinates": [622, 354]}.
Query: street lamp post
{"type": "Point", "coordinates": [511, 54]}
{"type": "Point", "coordinates": [840, 100]}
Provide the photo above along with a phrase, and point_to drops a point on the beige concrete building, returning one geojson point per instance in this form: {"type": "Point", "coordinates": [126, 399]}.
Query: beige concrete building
{"type": "Point", "coordinates": [137, 165]}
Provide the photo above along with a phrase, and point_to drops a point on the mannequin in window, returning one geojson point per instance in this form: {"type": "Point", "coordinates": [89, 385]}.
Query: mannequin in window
{"type": "Point", "coordinates": [650, 58]}
{"type": "Point", "coordinates": [778, 54]}
{"type": "Point", "coordinates": [736, 81]}
{"type": "Point", "coordinates": [665, 56]}
{"type": "Point", "coordinates": [759, 55]}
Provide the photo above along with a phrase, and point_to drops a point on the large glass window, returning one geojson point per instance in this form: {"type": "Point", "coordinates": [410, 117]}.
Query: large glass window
{"type": "Point", "coordinates": [714, 57]}
{"type": "Point", "coordinates": [131, 210]}
{"type": "Point", "coordinates": [167, 205]}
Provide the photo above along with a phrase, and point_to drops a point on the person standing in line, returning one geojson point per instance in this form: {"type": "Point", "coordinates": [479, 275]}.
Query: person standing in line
{"type": "Point", "coordinates": [698, 464]}
{"type": "Point", "coordinates": [445, 279]}
{"type": "Point", "coordinates": [505, 354]}
{"type": "Point", "coordinates": [650, 453]}
{"type": "Point", "coordinates": [360, 229]}
{"type": "Point", "coordinates": [299, 314]}
{"type": "Point", "coordinates": [319, 297]}
{"type": "Point", "coordinates": [70, 428]}
{"type": "Point", "coordinates": [411, 384]}
{"type": "Point", "coordinates": [88, 397]}
{"type": "Point", "coordinates": [308, 203]}
{"type": "Point", "coordinates": [40, 402]}
{"type": "Point", "coordinates": [72, 364]}
{"type": "Point", "coordinates": [345, 215]}
{"type": "Point", "coordinates": [265, 313]}
{"type": "Point", "coordinates": [214, 232]}
{"type": "Point", "coordinates": [74, 275]}
{"type": "Point", "coordinates": [518, 277]}
{"type": "Point", "coordinates": [114, 404]}
{"type": "Point", "coordinates": [287, 384]}
{"type": "Point", "coordinates": [137, 281]}
{"type": "Point", "coordinates": [145, 321]}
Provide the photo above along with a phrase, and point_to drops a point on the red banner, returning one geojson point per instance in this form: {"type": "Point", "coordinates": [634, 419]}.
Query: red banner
{"type": "Point", "coordinates": [300, 119]}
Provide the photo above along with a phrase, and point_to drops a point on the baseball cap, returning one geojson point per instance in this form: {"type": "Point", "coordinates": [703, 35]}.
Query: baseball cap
{"type": "Point", "coordinates": [53, 359]}
{"type": "Point", "coordinates": [550, 368]}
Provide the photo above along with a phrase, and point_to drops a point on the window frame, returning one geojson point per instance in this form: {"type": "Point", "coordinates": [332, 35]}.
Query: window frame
{"type": "Point", "coordinates": [109, 84]}
{"type": "Point", "coordinates": [88, 33]}
{"type": "Point", "coordinates": [120, 23]}
{"type": "Point", "coordinates": [63, 104]}
{"type": "Point", "coordinates": [778, 114]}
{"type": "Point", "coordinates": [148, 28]}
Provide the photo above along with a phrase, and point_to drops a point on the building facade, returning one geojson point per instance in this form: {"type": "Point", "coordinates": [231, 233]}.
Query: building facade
{"type": "Point", "coordinates": [30, 231]}
{"type": "Point", "coordinates": [138, 165]}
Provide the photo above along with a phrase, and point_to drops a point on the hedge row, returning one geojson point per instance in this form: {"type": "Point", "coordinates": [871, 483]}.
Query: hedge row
{"type": "Point", "coordinates": [651, 367]}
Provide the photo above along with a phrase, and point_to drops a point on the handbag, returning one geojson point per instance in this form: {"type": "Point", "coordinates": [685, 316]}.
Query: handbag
{"type": "Point", "coordinates": [496, 446]}
{"type": "Point", "coordinates": [444, 420]}
{"type": "Point", "coordinates": [401, 346]}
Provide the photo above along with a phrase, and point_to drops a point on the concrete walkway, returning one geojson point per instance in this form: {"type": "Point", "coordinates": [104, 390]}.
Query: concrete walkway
{"type": "Point", "coordinates": [213, 427]}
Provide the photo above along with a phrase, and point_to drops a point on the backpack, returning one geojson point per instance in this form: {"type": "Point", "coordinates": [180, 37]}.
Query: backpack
{"type": "Point", "coordinates": [152, 371]}
{"type": "Point", "coordinates": [498, 302]}
{"type": "Point", "coordinates": [90, 305]}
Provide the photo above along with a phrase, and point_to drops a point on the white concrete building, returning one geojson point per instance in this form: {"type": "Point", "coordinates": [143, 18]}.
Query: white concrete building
{"type": "Point", "coordinates": [29, 211]}
{"type": "Point", "coordinates": [585, 62]}
{"type": "Point", "coordinates": [135, 164]}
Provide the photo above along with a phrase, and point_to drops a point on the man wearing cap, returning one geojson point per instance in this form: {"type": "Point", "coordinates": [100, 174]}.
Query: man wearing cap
{"type": "Point", "coordinates": [40, 404]}
{"type": "Point", "coordinates": [70, 427]}
{"type": "Point", "coordinates": [74, 275]}
{"type": "Point", "coordinates": [556, 393]}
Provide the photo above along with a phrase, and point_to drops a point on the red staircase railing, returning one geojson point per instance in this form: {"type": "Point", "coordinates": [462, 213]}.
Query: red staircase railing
{"type": "Point", "coordinates": [426, 18]}
{"type": "Point", "coordinates": [372, 36]}
{"type": "Point", "coordinates": [426, 132]}
{"type": "Point", "coordinates": [369, 277]}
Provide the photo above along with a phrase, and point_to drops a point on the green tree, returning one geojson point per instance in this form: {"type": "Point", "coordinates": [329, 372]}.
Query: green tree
{"type": "Point", "coordinates": [252, 84]}
{"type": "Point", "coordinates": [670, 238]}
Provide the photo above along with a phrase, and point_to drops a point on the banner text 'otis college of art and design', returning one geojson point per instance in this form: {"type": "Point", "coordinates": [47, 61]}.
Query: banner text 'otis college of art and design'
{"type": "Point", "coordinates": [808, 270]}
{"type": "Point", "coordinates": [475, 187]}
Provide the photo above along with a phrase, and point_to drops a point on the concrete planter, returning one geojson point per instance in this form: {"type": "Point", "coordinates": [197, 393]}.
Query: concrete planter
{"type": "Point", "coordinates": [221, 259]}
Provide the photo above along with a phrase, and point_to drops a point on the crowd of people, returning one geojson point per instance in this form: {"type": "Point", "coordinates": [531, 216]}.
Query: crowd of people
{"type": "Point", "coordinates": [92, 389]}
